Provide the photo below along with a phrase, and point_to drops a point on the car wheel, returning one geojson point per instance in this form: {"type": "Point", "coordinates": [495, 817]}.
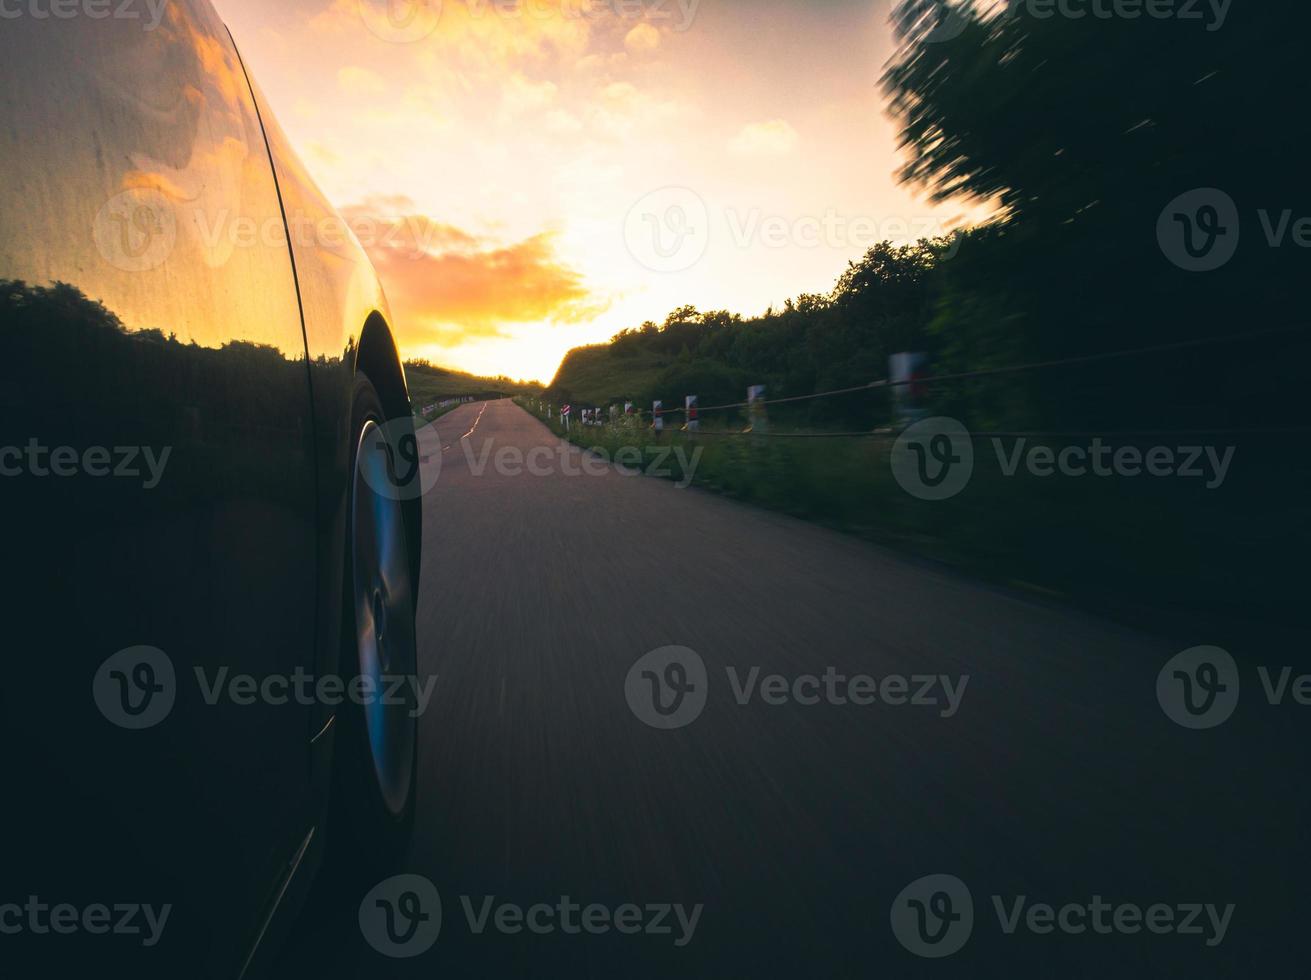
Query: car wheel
{"type": "Point", "coordinates": [376, 743]}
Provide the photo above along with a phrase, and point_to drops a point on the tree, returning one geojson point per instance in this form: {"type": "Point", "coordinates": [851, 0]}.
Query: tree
{"type": "Point", "coordinates": [1081, 132]}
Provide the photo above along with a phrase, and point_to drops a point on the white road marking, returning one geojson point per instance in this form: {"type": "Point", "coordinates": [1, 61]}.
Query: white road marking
{"type": "Point", "coordinates": [471, 428]}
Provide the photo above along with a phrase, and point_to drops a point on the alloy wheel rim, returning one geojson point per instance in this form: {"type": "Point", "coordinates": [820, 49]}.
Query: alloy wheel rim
{"type": "Point", "coordinates": [384, 619]}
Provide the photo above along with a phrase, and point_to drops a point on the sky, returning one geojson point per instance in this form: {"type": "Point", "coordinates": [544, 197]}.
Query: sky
{"type": "Point", "coordinates": [532, 176]}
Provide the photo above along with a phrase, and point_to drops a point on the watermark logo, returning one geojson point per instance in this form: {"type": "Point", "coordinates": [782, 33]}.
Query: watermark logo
{"type": "Point", "coordinates": [933, 916]}
{"type": "Point", "coordinates": [1198, 688]}
{"type": "Point", "coordinates": [933, 459]}
{"type": "Point", "coordinates": [835, 230]}
{"type": "Point", "coordinates": [401, 21]}
{"type": "Point", "coordinates": [1207, 463]}
{"type": "Point", "coordinates": [1199, 231]}
{"type": "Point", "coordinates": [676, 15]}
{"type": "Point", "coordinates": [1099, 917]}
{"type": "Point", "coordinates": [97, 919]}
{"type": "Point", "coordinates": [401, 460]}
{"type": "Point", "coordinates": [1212, 13]}
{"type": "Point", "coordinates": [305, 689]}
{"type": "Point", "coordinates": [136, 687]}
{"type": "Point", "coordinates": [667, 688]}
{"type": "Point", "coordinates": [150, 11]}
{"type": "Point", "coordinates": [136, 230]}
{"type": "Point", "coordinates": [119, 462]}
{"type": "Point", "coordinates": [594, 461]}
{"type": "Point", "coordinates": [402, 916]}
{"type": "Point", "coordinates": [572, 918]}
{"type": "Point", "coordinates": [668, 230]}
{"type": "Point", "coordinates": [943, 692]}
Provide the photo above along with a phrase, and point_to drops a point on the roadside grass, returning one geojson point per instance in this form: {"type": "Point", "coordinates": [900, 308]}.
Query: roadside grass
{"type": "Point", "coordinates": [1162, 553]}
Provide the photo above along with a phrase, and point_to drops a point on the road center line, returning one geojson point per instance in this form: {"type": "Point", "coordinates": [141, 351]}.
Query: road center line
{"type": "Point", "coordinates": [471, 428]}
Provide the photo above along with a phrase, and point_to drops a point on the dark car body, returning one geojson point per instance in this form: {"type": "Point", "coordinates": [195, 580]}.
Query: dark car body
{"type": "Point", "coordinates": [184, 320]}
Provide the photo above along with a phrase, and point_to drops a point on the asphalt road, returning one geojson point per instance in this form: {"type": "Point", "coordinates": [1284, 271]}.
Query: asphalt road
{"type": "Point", "coordinates": [795, 825]}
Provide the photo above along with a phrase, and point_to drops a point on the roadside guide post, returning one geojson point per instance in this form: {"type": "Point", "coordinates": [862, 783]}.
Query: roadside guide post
{"type": "Point", "coordinates": [908, 396]}
{"type": "Point", "coordinates": [756, 417]}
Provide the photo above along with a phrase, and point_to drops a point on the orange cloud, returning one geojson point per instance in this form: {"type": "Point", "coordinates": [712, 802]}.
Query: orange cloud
{"type": "Point", "coordinates": [446, 285]}
{"type": "Point", "coordinates": [481, 34]}
{"type": "Point", "coordinates": [642, 39]}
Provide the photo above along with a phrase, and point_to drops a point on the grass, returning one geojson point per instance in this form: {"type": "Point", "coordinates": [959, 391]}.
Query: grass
{"type": "Point", "coordinates": [1155, 552]}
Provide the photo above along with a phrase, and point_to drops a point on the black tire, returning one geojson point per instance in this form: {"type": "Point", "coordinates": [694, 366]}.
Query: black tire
{"type": "Point", "coordinates": [367, 832]}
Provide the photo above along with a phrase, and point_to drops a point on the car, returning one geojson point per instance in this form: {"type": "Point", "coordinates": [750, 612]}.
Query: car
{"type": "Point", "coordinates": [210, 482]}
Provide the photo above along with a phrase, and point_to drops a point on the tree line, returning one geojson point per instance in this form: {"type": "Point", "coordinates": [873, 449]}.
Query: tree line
{"type": "Point", "coordinates": [1085, 136]}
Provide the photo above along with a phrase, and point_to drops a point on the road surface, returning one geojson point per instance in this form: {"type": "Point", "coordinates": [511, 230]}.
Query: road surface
{"type": "Point", "coordinates": [1055, 774]}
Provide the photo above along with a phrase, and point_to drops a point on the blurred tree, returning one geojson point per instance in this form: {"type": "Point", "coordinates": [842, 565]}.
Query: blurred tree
{"type": "Point", "coordinates": [1081, 132]}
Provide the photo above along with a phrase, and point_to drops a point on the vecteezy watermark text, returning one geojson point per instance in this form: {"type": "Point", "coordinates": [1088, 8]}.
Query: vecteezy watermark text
{"type": "Point", "coordinates": [149, 11]}
{"type": "Point", "coordinates": [670, 229]}
{"type": "Point", "coordinates": [120, 462]}
{"type": "Point", "coordinates": [137, 688]}
{"type": "Point", "coordinates": [935, 459]}
{"type": "Point", "coordinates": [939, 691]}
{"type": "Point", "coordinates": [303, 688]}
{"type": "Point", "coordinates": [564, 459]}
{"type": "Point", "coordinates": [678, 14]}
{"type": "Point", "coordinates": [572, 918]}
{"type": "Point", "coordinates": [934, 917]}
{"type": "Point", "coordinates": [1212, 13]}
{"type": "Point", "coordinates": [137, 230]}
{"type": "Point", "coordinates": [407, 21]}
{"type": "Point", "coordinates": [1207, 463]}
{"type": "Point", "coordinates": [401, 917]}
{"type": "Point", "coordinates": [63, 919]}
{"type": "Point", "coordinates": [415, 459]}
{"type": "Point", "coordinates": [668, 687]}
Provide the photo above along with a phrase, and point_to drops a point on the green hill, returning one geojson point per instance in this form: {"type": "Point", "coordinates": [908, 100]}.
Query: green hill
{"type": "Point", "coordinates": [598, 375]}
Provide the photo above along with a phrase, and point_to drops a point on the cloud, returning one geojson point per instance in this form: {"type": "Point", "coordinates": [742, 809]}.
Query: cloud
{"type": "Point", "coordinates": [561, 121]}
{"type": "Point", "coordinates": [520, 96]}
{"type": "Point", "coordinates": [642, 39]}
{"type": "Point", "coordinates": [354, 80]}
{"type": "Point", "coordinates": [621, 110]}
{"type": "Point", "coordinates": [623, 92]}
{"type": "Point", "coordinates": [772, 138]}
{"type": "Point", "coordinates": [479, 37]}
{"type": "Point", "coordinates": [447, 285]}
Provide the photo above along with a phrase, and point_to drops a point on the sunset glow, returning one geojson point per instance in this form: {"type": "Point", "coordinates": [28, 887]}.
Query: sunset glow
{"type": "Point", "coordinates": [506, 155]}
